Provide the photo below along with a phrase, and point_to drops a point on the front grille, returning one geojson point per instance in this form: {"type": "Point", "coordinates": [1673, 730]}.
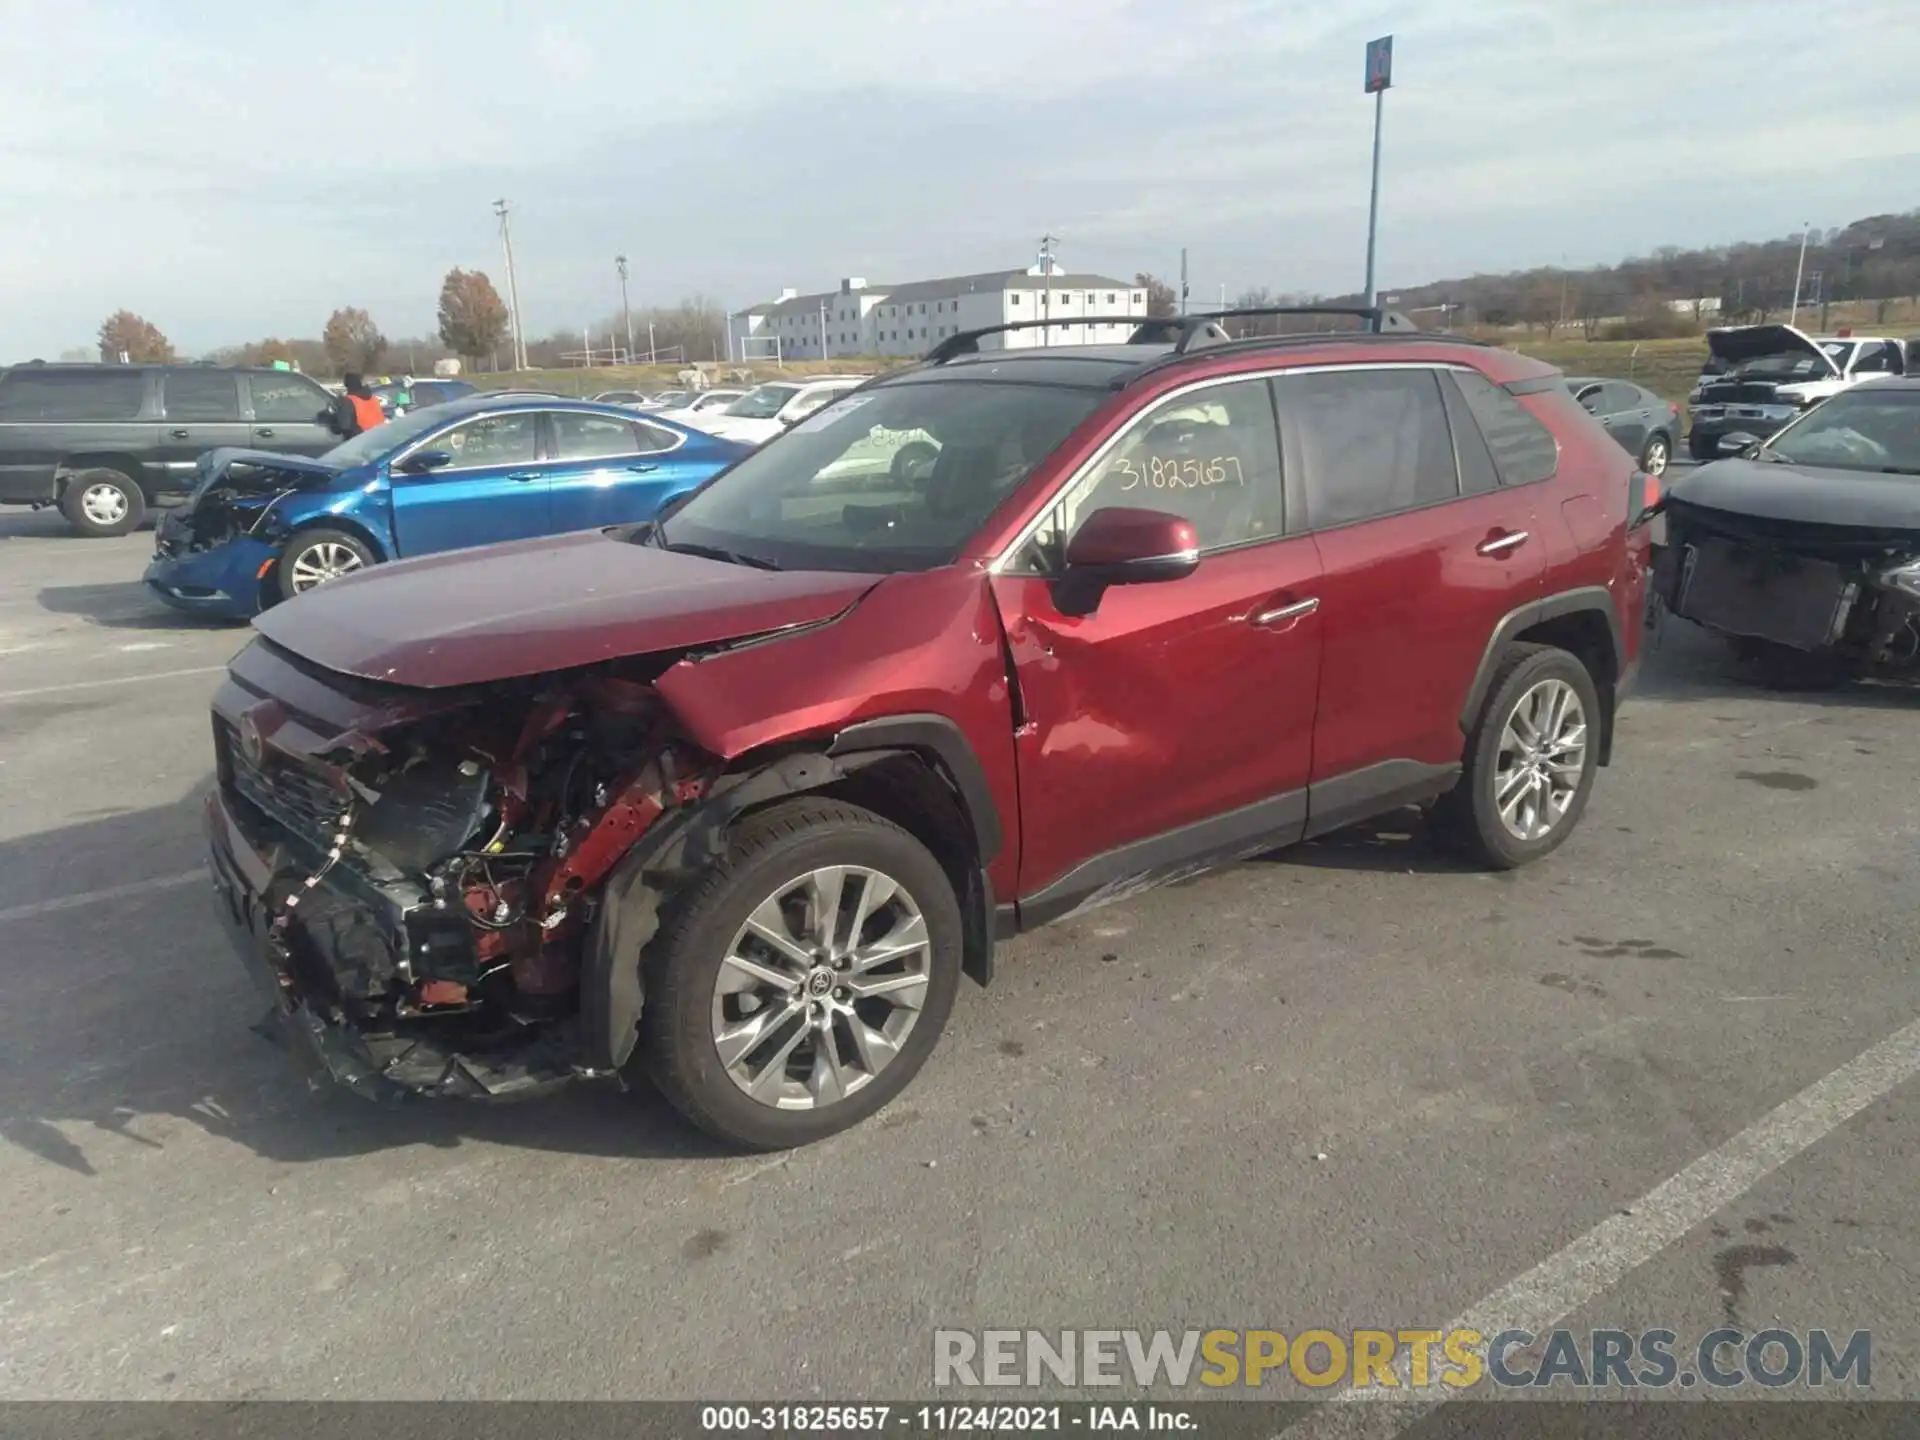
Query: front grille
{"type": "Point", "coordinates": [1737, 393]}
{"type": "Point", "coordinates": [285, 791]}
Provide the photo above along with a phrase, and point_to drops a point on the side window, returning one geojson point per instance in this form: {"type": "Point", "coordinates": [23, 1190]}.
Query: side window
{"type": "Point", "coordinates": [493, 440]}
{"type": "Point", "coordinates": [1210, 456]}
{"type": "Point", "coordinates": [105, 395]}
{"type": "Point", "coordinates": [1370, 442]}
{"type": "Point", "coordinates": [1876, 358]}
{"type": "Point", "coordinates": [1523, 449]}
{"type": "Point", "coordinates": [1593, 399]}
{"type": "Point", "coordinates": [1622, 397]}
{"type": "Point", "coordinates": [1477, 474]}
{"type": "Point", "coordinates": [286, 399]}
{"type": "Point", "coordinates": [591, 437]}
{"type": "Point", "coordinates": [201, 395]}
{"type": "Point", "coordinates": [654, 438]}
{"type": "Point", "coordinates": [807, 404]}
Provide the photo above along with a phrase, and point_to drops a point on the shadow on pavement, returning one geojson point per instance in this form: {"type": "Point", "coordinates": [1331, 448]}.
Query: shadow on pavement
{"type": "Point", "coordinates": [135, 1005]}
{"type": "Point", "coordinates": [122, 605]}
{"type": "Point", "coordinates": [22, 523]}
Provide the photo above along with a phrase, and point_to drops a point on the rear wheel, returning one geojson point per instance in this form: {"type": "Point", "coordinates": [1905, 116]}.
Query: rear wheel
{"type": "Point", "coordinates": [1654, 458]}
{"type": "Point", "coordinates": [804, 980]}
{"type": "Point", "coordinates": [313, 557]}
{"type": "Point", "coordinates": [98, 503]}
{"type": "Point", "coordinates": [1530, 760]}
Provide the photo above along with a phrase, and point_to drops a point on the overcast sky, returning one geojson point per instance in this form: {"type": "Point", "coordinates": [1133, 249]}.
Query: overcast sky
{"type": "Point", "coordinates": [236, 170]}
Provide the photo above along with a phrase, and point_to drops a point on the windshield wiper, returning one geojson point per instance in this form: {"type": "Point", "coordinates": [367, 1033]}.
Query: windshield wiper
{"type": "Point", "coordinates": [714, 552]}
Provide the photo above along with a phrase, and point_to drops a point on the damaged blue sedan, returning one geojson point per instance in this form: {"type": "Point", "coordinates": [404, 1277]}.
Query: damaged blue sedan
{"type": "Point", "coordinates": [262, 527]}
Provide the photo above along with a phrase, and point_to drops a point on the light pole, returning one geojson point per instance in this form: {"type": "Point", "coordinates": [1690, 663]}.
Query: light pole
{"type": "Point", "coordinates": [1806, 229]}
{"type": "Point", "coordinates": [1046, 295]}
{"type": "Point", "coordinates": [1379, 79]}
{"type": "Point", "coordinates": [503, 209]}
{"type": "Point", "coordinates": [626, 312]}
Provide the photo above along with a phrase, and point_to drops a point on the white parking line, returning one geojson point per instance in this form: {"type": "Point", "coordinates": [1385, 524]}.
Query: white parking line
{"type": "Point", "coordinates": [118, 680]}
{"type": "Point", "coordinates": [94, 897]}
{"type": "Point", "coordinates": [1606, 1254]}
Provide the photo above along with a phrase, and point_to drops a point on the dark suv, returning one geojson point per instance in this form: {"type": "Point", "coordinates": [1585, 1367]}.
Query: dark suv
{"type": "Point", "coordinates": [743, 792]}
{"type": "Point", "coordinates": [107, 442]}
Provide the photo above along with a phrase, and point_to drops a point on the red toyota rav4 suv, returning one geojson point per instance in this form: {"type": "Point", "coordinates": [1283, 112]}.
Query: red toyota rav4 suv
{"type": "Point", "coordinates": [741, 794]}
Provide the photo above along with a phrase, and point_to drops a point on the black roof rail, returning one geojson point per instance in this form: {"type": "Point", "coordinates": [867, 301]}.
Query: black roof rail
{"type": "Point", "coordinates": [1184, 333]}
{"type": "Point", "coordinates": [1155, 331]}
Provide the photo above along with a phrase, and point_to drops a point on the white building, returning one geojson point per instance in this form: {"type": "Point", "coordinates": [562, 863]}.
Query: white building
{"type": "Point", "coordinates": [908, 320]}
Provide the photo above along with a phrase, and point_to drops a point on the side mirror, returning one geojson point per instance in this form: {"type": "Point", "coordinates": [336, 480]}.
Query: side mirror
{"type": "Point", "coordinates": [422, 461]}
{"type": "Point", "coordinates": [1123, 546]}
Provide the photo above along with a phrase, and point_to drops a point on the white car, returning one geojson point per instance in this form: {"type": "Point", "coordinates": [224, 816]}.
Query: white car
{"type": "Point", "coordinates": [766, 410]}
{"type": "Point", "coordinates": [702, 408]}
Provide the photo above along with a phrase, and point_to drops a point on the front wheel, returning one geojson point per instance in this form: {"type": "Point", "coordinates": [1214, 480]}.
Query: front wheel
{"type": "Point", "coordinates": [802, 982]}
{"type": "Point", "coordinates": [313, 557]}
{"type": "Point", "coordinates": [1530, 760]}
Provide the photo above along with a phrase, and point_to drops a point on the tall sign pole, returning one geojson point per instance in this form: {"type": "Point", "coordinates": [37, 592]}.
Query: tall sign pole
{"type": "Point", "coordinates": [1379, 80]}
{"type": "Point", "coordinates": [1183, 279]}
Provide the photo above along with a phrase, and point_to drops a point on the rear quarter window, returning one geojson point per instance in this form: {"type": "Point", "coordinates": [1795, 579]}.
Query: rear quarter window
{"type": "Point", "coordinates": [1523, 449]}
{"type": "Point", "coordinates": [107, 395]}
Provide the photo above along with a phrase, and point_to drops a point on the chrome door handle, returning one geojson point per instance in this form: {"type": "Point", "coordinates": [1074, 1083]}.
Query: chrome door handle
{"type": "Point", "coordinates": [1295, 611]}
{"type": "Point", "coordinates": [177, 434]}
{"type": "Point", "coordinates": [264, 433]}
{"type": "Point", "coordinates": [1503, 544]}
{"type": "Point", "coordinates": [523, 476]}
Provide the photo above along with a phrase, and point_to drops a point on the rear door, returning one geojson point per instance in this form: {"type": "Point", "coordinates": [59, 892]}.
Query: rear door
{"type": "Point", "coordinates": [48, 413]}
{"type": "Point", "coordinates": [1175, 721]}
{"type": "Point", "coordinates": [290, 413]}
{"type": "Point", "coordinates": [200, 411]}
{"type": "Point", "coordinates": [495, 489]}
{"type": "Point", "coordinates": [607, 470]}
{"type": "Point", "coordinates": [1419, 566]}
{"type": "Point", "coordinates": [1627, 415]}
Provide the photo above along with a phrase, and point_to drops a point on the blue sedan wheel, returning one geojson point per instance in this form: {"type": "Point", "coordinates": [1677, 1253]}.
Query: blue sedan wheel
{"type": "Point", "coordinates": [314, 557]}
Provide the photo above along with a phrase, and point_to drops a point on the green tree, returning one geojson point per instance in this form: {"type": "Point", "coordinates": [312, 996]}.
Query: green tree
{"type": "Point", "coordinates": [1160, 297]}
{"type": "Point", "coordinates": [125, 333]}
{"type": "Point", "coordinates": [353, 341]}
{"type": "Point", "coordinates": [473, 320]}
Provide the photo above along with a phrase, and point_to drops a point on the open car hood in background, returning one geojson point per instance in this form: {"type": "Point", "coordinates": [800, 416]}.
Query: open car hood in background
{"type": "Point", "coordinates": [504, 611]}
{"type": "Point", "coordinates": [1742, 343]}
{"type": "Point", "coordinates": [274, 470]}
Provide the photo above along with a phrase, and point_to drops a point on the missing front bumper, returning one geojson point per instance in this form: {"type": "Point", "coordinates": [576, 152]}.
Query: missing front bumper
{"type": "Point", "coordinates": [1764, 595]}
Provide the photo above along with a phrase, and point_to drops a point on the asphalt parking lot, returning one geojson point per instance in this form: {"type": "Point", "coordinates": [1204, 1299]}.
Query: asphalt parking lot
{"type": "Point", "coordinates": [1352, 1085]}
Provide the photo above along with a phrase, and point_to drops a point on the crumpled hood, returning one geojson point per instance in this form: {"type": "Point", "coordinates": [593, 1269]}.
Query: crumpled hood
{"type": "Point", "coordinates": [1737, 344]}
{"type": "Point", "coordinates": [1806, 494]}
{"type": "Point", "coordinates": [503, 611]}
{"type": "Point", "coordinates": [275, 470]}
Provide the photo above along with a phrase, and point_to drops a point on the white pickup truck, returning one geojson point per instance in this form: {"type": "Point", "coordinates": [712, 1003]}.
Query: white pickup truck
{"type": "Point", "coordinates": [1762, 376]}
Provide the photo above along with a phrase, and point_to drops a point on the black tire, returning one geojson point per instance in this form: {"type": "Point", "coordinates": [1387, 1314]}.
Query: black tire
{"type": "Point", "coordinates": [100, 503]}
{"type": "Point", "coordinates": [1467, 817]}
{"type": "Point", "coordinates": [305, 543]}
{"type": "Point", "coordinates": [682, 966]}
{"type": "Point", "coordinates": [1657, 454]}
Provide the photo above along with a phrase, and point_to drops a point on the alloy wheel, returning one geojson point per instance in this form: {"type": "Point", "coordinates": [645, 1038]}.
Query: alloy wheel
{"type": "Point", "coordinates": [820, 987]}
{"type": "Point", "coordinates": [317, 564]}
{"type": "Point", "coordinates": [1543, 754]}
{"type": "Point", "coordinates": [1656, 461]}
{"type": "Point", "coordinates": [104, 504]}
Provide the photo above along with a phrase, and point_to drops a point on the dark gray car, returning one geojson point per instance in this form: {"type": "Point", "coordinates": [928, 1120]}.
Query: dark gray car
{"type": "Point", "coordinates": [106, 443]}
{"type": "Point", "coordinates": [1645, 425]}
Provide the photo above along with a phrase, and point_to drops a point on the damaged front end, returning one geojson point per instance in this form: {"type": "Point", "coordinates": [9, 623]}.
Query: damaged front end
{"type": "Point", "coordinates": [1847, 597]}
{"type": "Point", "coordinates": [415, 876]}
{"type": "Point", "coordinates": [213, 555]}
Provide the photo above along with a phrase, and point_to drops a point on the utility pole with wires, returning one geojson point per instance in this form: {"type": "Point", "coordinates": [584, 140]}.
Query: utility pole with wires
{"type": "Point", "coordinates": [1046, 295]}
{"type": "Point", "coordinates": [1183, 279]}
{"type": "Point", "coordinates": [502, 208]}
{"type": "Point", "coordinates": [626, 312]}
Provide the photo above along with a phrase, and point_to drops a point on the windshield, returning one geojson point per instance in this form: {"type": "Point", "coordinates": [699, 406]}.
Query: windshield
{"type": "Point", "coordinates": [763, 403]}
{"type": "Point", "coordinates": [372, 444]}
{"type": "Point", "coordinates": [894, 478]}
{"type": "Point", "coordinates": [671, 399]}
{"type": "Point", "coordinates": [1869, 428]}
{"type": "Point", "coordinates": [1780, 365]}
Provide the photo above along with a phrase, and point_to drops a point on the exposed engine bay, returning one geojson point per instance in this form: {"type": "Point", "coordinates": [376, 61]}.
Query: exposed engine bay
{"type": "Point", "coordinates": [233, 497]}
{"type": "Point", "coordinates": [445, 874]}
{"type": "Point", "coordinates": [1848, 596]}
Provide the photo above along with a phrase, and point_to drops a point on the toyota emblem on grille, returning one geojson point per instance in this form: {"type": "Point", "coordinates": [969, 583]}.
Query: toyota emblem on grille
{"type": "Point", "coordinates": [251, 744]}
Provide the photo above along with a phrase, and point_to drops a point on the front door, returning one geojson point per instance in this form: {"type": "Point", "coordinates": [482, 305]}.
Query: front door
{"type": "Point", "coordinates": [289, 414]}
{"type": "Point", "coordinates": [495, 488]}
{"type": "Point", "coordinates": [611, 471]}
{"type": "Point", "coordinates": [1419, 569]}
{"type": "Point", "coordinates": [200, 411]}
{"type": "Point", "coordinates": [1173, 726]}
